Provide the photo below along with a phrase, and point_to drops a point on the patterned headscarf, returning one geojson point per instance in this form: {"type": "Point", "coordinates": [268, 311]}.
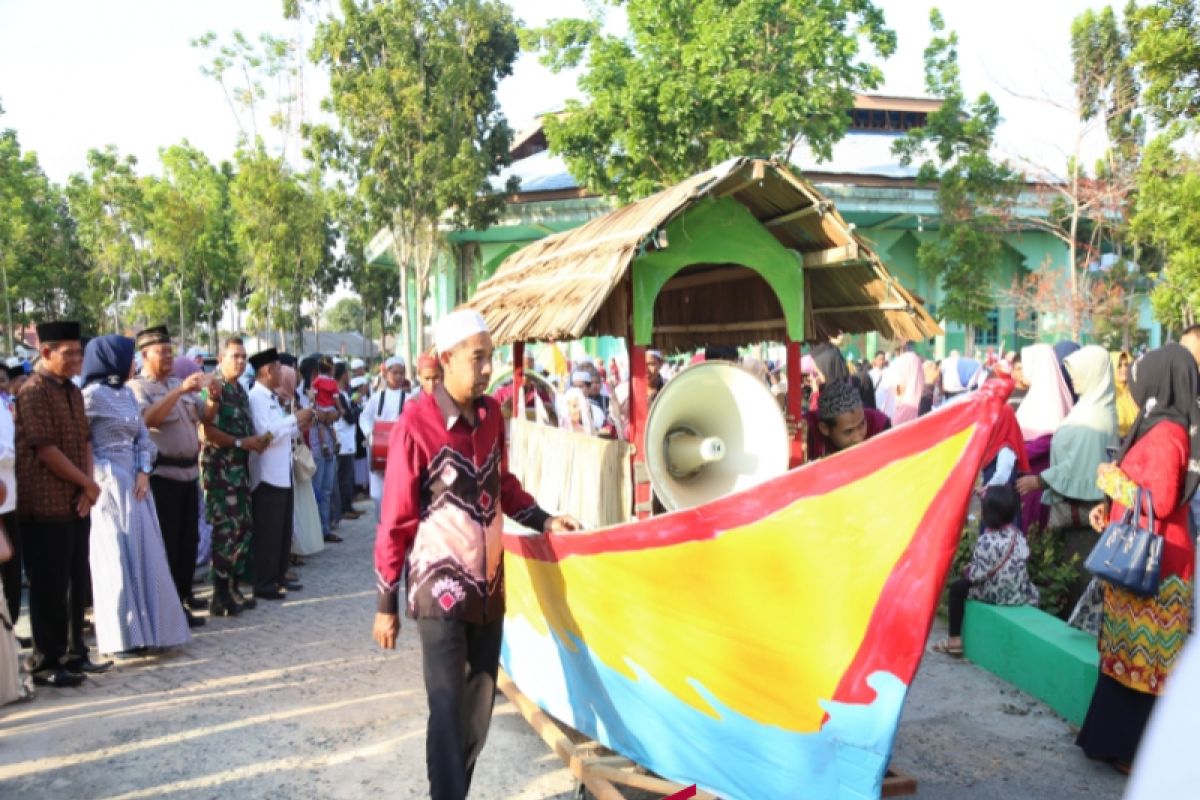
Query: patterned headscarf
{"type": "Point", "coordinates": [838, 397]}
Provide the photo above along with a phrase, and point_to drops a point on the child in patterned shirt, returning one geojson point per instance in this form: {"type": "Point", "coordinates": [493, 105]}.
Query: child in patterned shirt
{"type": "Point", "coordinates": [997, 572]}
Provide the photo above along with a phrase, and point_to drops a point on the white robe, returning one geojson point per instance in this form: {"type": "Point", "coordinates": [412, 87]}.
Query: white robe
{"type": "Point", "coordinates": [393, 401]}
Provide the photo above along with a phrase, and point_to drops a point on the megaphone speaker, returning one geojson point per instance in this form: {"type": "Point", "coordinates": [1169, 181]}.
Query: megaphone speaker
{"type": "Point", "coordinates": [713, 429]}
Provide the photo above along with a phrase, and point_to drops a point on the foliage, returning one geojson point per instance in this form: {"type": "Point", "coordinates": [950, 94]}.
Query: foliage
{"type": "Point", "coordinates": [975, 192]}
{"type": "Point", "coordinates": [420, 133]}
{"type": "Point", "coordinates": [191, 238]}
{"type": "Point", "coordinates": [283, 231]}
{"type": "Point", "coordinates": [43, 269]}
{"type": "Point", "coordinates": [1167, 219]}
{"type": "Point", "coordinates": [109, 208]}
{"type": "Point", "coordinates": [696, 83]}
{"type": "Point", "coordinates": [1166, 50]}
{"type": "Point", "coordinates": [344, 315]}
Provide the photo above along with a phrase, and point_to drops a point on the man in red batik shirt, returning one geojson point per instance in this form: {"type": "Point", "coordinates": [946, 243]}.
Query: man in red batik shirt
{"type": "Point", "coordinates": [445, 490]}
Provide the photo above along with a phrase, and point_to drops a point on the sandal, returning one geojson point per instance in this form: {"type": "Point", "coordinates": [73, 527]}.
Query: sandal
{"type": "Point", "coordinates": [295, 560]}
{"type": "Point", "coordinates": [944, 647]}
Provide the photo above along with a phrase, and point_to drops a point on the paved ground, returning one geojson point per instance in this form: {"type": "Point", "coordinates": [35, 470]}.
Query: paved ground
{"type": "Point", "coordinates": [293, 700]}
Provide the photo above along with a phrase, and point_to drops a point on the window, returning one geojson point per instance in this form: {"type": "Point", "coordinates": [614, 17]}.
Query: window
{"type": "Point", "coordinates": [885, 120]}
{"type": "Point", "coordinates": [988, 334]}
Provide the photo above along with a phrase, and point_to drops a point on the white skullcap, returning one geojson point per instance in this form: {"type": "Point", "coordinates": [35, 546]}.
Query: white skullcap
{"type": "Point", "coordinates": [357, 382]}
{"type": "Point", "coordinates": [394, 361]}
{"type": "Point", "coordinates": [357, 363]}
{"type": "Point", "coordinates": [456, 327]}
{"type": "Point", "coordinates": [581, 375]}
{"type": "Point", "coordinates": [655, 354]}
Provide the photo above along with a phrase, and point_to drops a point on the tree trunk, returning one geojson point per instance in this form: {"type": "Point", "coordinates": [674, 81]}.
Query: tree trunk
{"type": "Point", "coordinates": [405, 317]}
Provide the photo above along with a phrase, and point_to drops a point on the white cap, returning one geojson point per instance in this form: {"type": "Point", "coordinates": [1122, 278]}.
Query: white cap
{"type": "Point", "coordinates": [357, 382]}
{"type": "Point", "coordinates": [357, 363]}
{"type": "Point", "coordinates": [581, 375]}
{"type": "Point", "coordinates": [458, 326]}
{"type": "Point", "coordinates": [394, 361]}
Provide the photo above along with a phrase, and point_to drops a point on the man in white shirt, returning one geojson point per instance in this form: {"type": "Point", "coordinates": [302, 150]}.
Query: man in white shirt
{"type": "Point", "coordinates": [383, 406]}
{"type": "Point", "coordinates": [345, 428]}
{"type": "Point", "coordinates": [271, 479]}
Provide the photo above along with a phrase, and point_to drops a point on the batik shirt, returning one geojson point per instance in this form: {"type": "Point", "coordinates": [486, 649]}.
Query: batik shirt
{"type": "Point", "coordinates": [445, 490]}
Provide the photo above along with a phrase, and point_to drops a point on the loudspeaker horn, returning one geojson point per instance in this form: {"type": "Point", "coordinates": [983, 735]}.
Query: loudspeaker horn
{"type": "Point", "coordinates": [713, 429]}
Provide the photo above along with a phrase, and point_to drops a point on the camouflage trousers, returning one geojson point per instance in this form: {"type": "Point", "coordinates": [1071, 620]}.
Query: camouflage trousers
{"type": "Point", "coordinates": [227, 505]}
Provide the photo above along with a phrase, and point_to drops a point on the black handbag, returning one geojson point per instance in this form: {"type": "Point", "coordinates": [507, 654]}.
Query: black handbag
{"type": "Point", "coordinates": [1129, 553]}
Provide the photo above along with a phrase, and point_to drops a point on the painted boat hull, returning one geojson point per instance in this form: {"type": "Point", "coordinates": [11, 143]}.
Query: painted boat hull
{"type": "Point", "coordinates": [761, 645]}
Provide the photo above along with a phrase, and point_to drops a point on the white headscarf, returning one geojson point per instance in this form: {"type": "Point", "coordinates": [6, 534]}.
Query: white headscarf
{"type": "Point", "coordinates": [906, 373]}
{"type": "Point", "coordinates": [1048, 401]}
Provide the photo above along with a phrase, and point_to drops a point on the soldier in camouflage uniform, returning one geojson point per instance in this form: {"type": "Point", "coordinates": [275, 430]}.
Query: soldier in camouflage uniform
{"type": "Point", "coordinates": [225, 476]}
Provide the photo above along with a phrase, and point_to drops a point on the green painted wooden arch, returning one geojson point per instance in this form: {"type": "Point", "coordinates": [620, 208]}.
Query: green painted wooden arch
{"type": "Point", "coordinates": [718, 231]}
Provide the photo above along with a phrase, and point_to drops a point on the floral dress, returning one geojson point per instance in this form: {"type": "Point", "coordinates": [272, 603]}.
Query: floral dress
{"type": "Point", "coordinates": [997, 569]}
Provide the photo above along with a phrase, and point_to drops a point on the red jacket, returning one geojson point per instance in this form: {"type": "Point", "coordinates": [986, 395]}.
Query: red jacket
{"type": "Point", "coordinates": [445, 488]}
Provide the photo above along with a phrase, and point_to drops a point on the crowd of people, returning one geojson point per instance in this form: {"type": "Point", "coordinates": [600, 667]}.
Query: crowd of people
{"type": "Point", "coordinates": [124, 469]}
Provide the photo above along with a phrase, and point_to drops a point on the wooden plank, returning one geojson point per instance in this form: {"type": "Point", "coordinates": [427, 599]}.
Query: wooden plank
{"type": "Point", "coordinates": [721, 275]}
{"type": "Point", "coordinates": [720, 327]}
{"type": "Point", "coordinates": [833, 257]}
{"type": "Point", "coordinates": [792, 216]}
{"type": "Point", "coordinates": [863, 307]}
{"type": "Point", "coordinates": [553, 735]}
{"type": "Point", "coordinates": [898, 784]}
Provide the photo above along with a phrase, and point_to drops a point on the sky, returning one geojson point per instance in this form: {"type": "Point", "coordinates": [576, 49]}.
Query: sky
{"type": "Point", "coordinates": [80, 74]}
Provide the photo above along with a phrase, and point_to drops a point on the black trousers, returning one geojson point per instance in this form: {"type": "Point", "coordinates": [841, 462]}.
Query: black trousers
{"type": "Point", "coordinates": [958, 604]}
{"type": "Point", "coordinates": [178, 507]}
{"type": "Point", "coordinates": [10, 571]}
{"type": "Point", "coordinates": [56, 562]}
{"type": "Point", "coordinates": [460, 661]}
{"type": "Point", "coordinates": [271, 543]}
{"type": "Point", "coordinates": [345, 481]}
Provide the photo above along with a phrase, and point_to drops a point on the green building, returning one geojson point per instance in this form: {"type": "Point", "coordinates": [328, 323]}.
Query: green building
{"type": "Point", "coordinates": [864, 179]}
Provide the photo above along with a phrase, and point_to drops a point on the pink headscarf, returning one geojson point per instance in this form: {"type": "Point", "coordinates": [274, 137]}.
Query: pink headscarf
{"type": "Point", "coordinates": [287, 383]}
{"type": "Point", "coordinates": [1048, 401]}
{"type": "Point", "coordinates": [910, 375]}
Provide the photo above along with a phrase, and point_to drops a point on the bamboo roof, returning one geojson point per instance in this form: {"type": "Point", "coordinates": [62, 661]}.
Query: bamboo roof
{"type": "Point", "coordinates": [576, 283]}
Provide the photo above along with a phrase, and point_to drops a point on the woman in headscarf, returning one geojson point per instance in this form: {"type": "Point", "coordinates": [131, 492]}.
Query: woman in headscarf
{"type": "Point", "coordinates": [1141, 637]}
{"type": "Point", "coordinates": [135, 605]}
{"type": "Point", "coordinates": [1045, 406]}
{"type": "Point", "coordinates": [931, 394]}
{"type": "Point", "coordinates": [900, 389]}
{"type": "Point", "coordinates": [831, 366]}
{"type": "Point", "coordinates": [307, 539]}
{"type": "Point", "coordinates": [1077, 449]}
{"type": "Point", "coordinates": [1061, 351]}
{"type": "Point", "coordinates": [1127, 409]}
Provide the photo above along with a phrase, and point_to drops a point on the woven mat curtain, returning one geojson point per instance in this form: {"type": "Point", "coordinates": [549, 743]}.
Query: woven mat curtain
{"type": "Point", "coordinates": [572, 473]}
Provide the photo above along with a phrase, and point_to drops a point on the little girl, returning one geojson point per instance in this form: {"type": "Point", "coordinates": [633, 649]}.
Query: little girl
{"type": "Point", "coordinates": [996, 573]}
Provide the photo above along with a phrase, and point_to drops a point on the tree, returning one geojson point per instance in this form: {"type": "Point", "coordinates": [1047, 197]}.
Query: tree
{"type": "Point", "coordinates": [109, 207]}
{"type": "Point", "coordinates": [44, 273]}
{"type": "Point", "coordinates": [696, 83]}
{"type": "Point", "coordinates": [191, 237]}
{"type": "Point", "coordinates": [413, 85]}
{"type": "Point", "coordinates": [1088, 209]}
{"type": "Point", "coordinates": [1167, 219]}
{"type": "Point", "coordinates": [283, 230]}
{"type": "Point", "coordinates": [975, 193]}
{"type": "Point", "coordinates": [345, 315]}
{"type": "Point", "coordinates": [1166, 37]}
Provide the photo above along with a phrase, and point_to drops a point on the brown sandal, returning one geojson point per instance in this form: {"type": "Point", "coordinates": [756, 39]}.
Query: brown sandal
{"type": "Point", "coordinates": [944, 647]}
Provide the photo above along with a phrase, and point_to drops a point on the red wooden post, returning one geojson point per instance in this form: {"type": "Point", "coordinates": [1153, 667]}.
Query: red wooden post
{"type": "Point", "coordinates": [639, 409]}
{"type": "Point", "coordinates": [795, 403]}
{"type": "Point", "coordinates": [519, 380]}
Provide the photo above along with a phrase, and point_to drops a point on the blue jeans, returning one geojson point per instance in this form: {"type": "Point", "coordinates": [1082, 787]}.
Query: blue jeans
{"type": "Point", "coordinates": [323, 487]}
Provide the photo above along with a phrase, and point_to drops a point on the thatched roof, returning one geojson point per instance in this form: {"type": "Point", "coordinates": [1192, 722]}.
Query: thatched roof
{"type": "Point", "coordinates": [576, 283]}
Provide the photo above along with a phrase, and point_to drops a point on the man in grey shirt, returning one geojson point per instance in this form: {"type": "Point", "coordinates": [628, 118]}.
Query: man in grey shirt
{"type": "Point", "coordinates": [169, 409]}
